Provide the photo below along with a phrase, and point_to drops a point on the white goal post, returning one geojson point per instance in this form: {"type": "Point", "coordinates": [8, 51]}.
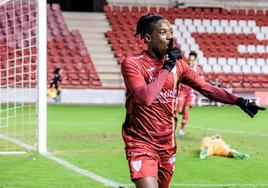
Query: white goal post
{"type": "Point", "coordinates": [23, 76]}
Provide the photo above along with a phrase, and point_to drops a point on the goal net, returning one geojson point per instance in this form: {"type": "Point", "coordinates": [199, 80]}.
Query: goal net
{"type": "Point", "coordinates": [18, 76]}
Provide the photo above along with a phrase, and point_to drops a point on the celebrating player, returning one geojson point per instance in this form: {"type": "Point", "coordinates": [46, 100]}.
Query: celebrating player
{"type": "Point", "coordinates": [187, 95]}
{"type": "Point", "coordinates": [152, 80]}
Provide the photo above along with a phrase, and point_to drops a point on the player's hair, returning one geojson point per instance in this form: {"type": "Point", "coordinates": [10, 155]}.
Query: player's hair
{"type": "Point", "coordinates": [146, 23]}
{"type": "Point", "coordinates": [57, 71]}
{"type": "Point", "coordinates": [193, 53]}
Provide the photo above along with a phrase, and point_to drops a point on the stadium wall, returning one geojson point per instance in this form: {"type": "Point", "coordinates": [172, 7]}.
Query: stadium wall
{"type": "Point", "coordinates": [96, 96]}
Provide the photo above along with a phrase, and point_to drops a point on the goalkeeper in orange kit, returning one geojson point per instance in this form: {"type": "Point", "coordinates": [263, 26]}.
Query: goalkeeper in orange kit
{"type": "Point", "coordinates": [215, 145]}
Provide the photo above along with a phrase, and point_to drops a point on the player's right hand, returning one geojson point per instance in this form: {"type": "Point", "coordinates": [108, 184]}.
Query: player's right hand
{"type": "Point", "coordinates": [173, 55]}
{"type": "Point", "coordinates": [248, 106]}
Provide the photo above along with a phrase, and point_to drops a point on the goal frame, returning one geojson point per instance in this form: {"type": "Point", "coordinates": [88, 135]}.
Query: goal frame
{"type": "Point", "coordinates": [42, 75]}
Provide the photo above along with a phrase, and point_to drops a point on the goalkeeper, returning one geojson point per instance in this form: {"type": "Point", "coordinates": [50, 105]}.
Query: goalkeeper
{"type": "Point", "coordinates": [215, 145]}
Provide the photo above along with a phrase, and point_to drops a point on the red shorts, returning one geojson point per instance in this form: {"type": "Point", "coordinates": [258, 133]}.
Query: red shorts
{"type": "Point", "coordinates": [147, 162]}
{"type": "Point", "coordinates": [186, 99]}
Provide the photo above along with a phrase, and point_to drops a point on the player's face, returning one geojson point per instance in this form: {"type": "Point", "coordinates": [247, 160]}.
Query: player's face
{"type": "Point", "coordinates": [161, 37]}
{"type": "Point", "coordinates": [191, 60]}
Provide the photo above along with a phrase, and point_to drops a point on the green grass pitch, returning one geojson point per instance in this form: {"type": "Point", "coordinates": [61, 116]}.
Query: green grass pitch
{"type": "Point", "coordinates": [90, 137]}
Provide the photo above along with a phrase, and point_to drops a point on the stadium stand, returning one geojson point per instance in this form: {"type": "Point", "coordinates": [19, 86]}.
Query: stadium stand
{"type": "Point", "coordinates": [66, 50]}
{"type": "Point", "coordinates": [232, 44]}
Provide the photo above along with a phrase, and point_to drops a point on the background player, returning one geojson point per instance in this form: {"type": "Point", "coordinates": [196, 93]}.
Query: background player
{"type": "Point", "coordinates": [152, 80]}
{"type": "Point", "coordinates": [187, 96]}
{"type": "Point", "coordinates": [55, 82]}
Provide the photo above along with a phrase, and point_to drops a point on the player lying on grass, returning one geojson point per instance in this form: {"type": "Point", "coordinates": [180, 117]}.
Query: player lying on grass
{"type": "Point", "coordinates": [215, 145]}
{"type": "Point", "coordinates": [187, 95]}
{"type": "Point", "coordinates": [152, 80]}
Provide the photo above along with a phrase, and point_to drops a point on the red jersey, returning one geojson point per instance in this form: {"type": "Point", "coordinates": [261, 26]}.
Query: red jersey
{"type": "Point", "coordinates": [151, 94]}
{"type": "Point", "coordinates": [185, 88]}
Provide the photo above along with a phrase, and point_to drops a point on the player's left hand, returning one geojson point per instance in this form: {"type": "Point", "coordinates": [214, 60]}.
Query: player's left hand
{"type": "Point", "coordinates": [248, 106]}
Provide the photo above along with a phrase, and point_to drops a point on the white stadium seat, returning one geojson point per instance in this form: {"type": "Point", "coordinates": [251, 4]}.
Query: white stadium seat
{"type": "Point", "coordinates": [242, 23]}
{"type": "Point", "coordinates": [260, 61]}
{"type": "Point", "coordinates": [210, 29]}
{"type": "Point", "coordinates": [178, 22]}
{"type": "Point", "coordinates": [224, 23]}
{"type": "Point", "coordinates": [222, 61]}
{"type": "Point", "coordinates": [219, 29]}
{"type": "Point", "coordinates": [251, 23]}
{"type": "Point", "coordinates": [242, 48]}
{"type": "Point", "coordinates": [256, 29]}
{"type": "Point", "coordinates": [231, 61]}
{"type": "Point", "coordinates": [216, 68]}
{"type": "Point", "coordinates": [215, 23]}
{"type": "Point", "coordinates": [201, 29]}
{"type": "Point", "coordinates": [233, 23]}
{"type": "Point", "coordinates": [191, 28]}
{"type": "Point", "coordinates": [246, 69]}
{"type": "Point", "coordinates": [264, 69]}
{"type": "Point", "coordinates": [264, 29]}
{"type": "Point", "coordinates": [251, 61]}
{"type": "Point", "coordinates": [206, 22]}
{"type": "Point", "coordinates": [228, 29]}
{"type": "Point", "coordinates": [246, 30]}
{"type": "Point", "coordinates": [188, 22]}
{"type": "Point", "coordinates": [260, 36]}
{"type": "Point", "coordinates": [202, 61]}
{"type": "Point", "coordinates": [197, 22]}
{"type": "Point", "coordinates": [212, 61]}
{"type": "Point", "coordinates": [256, 69]}
{"type": "Point", "coordinates": [237, 30]}
{"type": "Point", "coordinates": [251, 48]}
{"type": "Point", "coordinates": [207, 68]}
{"type": "Point", "coordinates": [261, 49]}
{"type": "Point", "coordinates": [236, 68]}
{"type": "Point", "coordinates": [190, 40]}
{"type": "Point", "coordinates": [182, 28]}
{"type": "Point", "coordinates": [226, 68]}
{"type": "Point", "coordinates": [241, 61]}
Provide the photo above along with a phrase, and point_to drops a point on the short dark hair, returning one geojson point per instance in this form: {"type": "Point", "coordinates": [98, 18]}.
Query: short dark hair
{"type": "Point", "coordinates": [57, 71]}
{"type": "Point", "coordinates": [193, 53]}
{"type": "Point", "coordinates": [146, 23]}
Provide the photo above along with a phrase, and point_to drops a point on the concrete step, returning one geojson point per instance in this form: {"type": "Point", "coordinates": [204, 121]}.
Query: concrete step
{"type": "Point", "coordinates": [101, 56]}
{"type": "Point", "coordinates": [96, 43]}
{"type": "Point", "coordinates": [93, 30]}
{"type": "Point", "coordinates": [84, 16]}
{"type": "Point", "coordinates": [113, 85]}
{"type": "Point", "coordinates": [89, 23]}
{"type": "Point", "coordinates": [99, 50]}
{"type": "Point", "coordinates": [105, 62]}
{"type": "Point", "coordinates": [107, 69]}
{"type": "Point", "coordinates": [115, 76]}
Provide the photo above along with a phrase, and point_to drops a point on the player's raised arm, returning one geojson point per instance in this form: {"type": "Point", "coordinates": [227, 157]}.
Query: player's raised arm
{"type": "Point", "coordinates": [134, 80]}
{"type": "Point", "coordinates": [193, 80]}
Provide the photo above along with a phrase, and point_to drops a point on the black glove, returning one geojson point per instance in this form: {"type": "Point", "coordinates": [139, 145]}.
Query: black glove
{"type": "Point", "coordinates": [173, 55]}
{"type": "Point", "coordinates": [248, 106]}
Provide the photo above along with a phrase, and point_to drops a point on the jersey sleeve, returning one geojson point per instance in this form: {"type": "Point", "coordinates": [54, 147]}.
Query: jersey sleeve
{"type": "Point", "coordinates": [193, 80]}
{"type": "Point", "coordinates": [135, 81]}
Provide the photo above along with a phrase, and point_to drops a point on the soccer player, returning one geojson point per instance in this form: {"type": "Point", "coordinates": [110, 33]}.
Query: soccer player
{"type": "Point", "coordinates": [187, 95]}
{"type": "Point", "coordinates": [215, 145]}
{"type": "Point", "coordinates": [55, 82]}
{"type": "Point", "coordinates": [152, 80]}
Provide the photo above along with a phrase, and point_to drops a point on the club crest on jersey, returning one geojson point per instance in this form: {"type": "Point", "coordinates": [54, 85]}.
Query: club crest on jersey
{"type": "Point", "coordinates": [172, 159]}
{"type": "Point", "coordinates": [136, 165]}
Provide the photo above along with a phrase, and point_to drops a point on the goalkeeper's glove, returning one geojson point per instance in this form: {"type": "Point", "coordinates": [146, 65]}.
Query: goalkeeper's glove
{"type": "Point", "coordinates": [248, 106]}
{"type": "Point", "coordinates": [173, 55]}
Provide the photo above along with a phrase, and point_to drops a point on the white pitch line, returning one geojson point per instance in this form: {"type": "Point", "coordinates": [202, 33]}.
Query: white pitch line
{"type": "Point", "coordinates": [228, 131]}
{"type": "Point", "coordinates": [68, 165]}
{"type": "Point", "coordinates": [83, 172]}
